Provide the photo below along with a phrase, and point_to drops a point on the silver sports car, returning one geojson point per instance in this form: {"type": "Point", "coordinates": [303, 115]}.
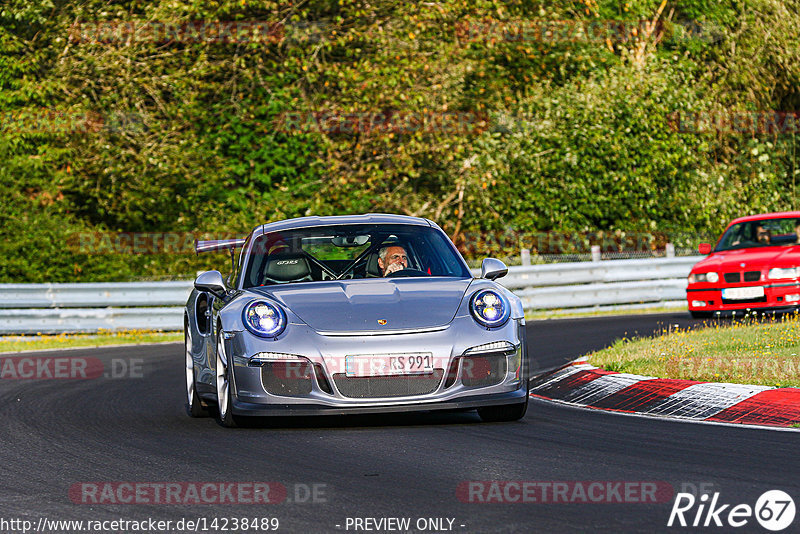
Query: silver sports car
{"type": "Point", "coordinates": [353, 314]}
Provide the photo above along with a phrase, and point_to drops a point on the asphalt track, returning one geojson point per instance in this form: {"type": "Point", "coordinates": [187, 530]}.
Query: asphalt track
{"type": "Point", "coordinates": [58, 433]}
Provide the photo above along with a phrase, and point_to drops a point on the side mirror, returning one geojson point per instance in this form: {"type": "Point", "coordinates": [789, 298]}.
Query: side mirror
{"type": "Point", "coordinates": [492, 269]}
{"type": "Point", "coordinates": [704, 248]}
{"type": "Point", "coordinates": [211, 281]}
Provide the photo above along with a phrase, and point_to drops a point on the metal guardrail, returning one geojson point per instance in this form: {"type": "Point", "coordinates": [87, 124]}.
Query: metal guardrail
{"type": "Point", "coordinates": [56, 308]}
{"type": "Point", "coordinates": [94, 295]}
{"type": "Point", "coordinates": [564, 274]}
{"type": "Point", "coordinates": [56, 321]}
{"type": "Point", "coordinates": [581, 296]}
{"type": "Point", "coordinates": [598, 284]}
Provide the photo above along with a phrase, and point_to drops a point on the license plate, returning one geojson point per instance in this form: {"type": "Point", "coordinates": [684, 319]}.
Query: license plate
{"type": "Point", "coordinates": [388, 364]}
{"type": "Point", "coordinates": [742, 293]}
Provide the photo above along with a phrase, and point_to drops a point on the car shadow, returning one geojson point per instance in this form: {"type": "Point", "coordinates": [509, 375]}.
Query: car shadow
{"type": "Point", "coordinates": [362, 420]}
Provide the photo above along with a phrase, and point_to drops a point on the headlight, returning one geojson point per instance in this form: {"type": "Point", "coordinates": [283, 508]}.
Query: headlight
{"type": "Point", "coordinates": [790, 272]}
{"type": "Point", "coordinates": [490, 308]}
{"type": "Point", "coordinates": [264, 319]}
{"type": "Point", "coordinates": [703, 277]}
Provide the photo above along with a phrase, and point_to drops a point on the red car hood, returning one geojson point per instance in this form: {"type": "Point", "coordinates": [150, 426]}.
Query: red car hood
{"type": "Point", "coordinates": [754, 259]}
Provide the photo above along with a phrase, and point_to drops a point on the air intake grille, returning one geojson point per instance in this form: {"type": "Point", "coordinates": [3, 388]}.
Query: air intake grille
{"type": "Point", "coordinates": [747, 301]}
{"type": "Point", "coordinates": [289, 379]}
{"type": "Point", "coordinates": [732, 278]}
{"type": "Point", "coordinates": [368, 387]}
{"type": "Point", "coordinates": [483, 371]}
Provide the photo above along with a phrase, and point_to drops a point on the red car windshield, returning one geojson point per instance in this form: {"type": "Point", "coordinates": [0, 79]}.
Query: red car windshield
{"type": "Point", "coordinates": [760, 233]}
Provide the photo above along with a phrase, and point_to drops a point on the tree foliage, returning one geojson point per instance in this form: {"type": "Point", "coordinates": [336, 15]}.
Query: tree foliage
{"type": "Point", "coordinates": [564, 117]}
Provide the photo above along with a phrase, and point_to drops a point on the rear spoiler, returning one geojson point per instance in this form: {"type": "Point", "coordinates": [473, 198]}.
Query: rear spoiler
{"type": "Point", "coordinates": [217, 244]}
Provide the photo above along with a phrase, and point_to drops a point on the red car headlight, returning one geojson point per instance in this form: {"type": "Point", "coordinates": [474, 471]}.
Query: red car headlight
{"type": "Point", "coordinates": [776, 273]}
{"type": "Point", "coordinates": [711, 277]}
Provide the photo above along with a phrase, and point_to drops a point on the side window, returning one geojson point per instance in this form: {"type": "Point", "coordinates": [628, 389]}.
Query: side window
{"type": "Point", "coordinates": [413, 256]}
{"type": "Point", "coordinates": [446, 261]}
{"type": "Point", "coordinates": [255, 266]}
{"type": "Point", "coordinates": [201, 312]}
{"type": "Point", "coordinates": [430, 261]}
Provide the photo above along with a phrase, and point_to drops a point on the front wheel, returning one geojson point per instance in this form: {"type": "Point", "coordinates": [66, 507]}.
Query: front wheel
{"type": "Point", "coordinates": [194, 408]}
{"type": "Point", "coordinates": [224, 401]}
{"type": "Point", "coordinates": [503, 414]}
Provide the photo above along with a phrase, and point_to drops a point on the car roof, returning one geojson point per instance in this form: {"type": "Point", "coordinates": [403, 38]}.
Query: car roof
{"type": "Point", "coordinates": [776, 215]}
{"type": "Point", "coordinates": [332, 220]}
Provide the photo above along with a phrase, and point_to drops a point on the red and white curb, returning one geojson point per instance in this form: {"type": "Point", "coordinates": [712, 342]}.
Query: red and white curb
{"type": "Point", "coordinates": [584, 385]}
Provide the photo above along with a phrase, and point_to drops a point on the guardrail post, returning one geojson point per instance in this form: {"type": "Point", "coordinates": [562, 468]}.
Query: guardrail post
{"type": "Point", "coordinates": [596, 253]}
{"type": "Point", "coordinates": [525, 256]}
{"type": "Point", "coordinates": [670, 250]}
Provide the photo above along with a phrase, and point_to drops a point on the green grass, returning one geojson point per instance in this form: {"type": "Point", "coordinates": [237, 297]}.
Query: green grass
{"type": "Point", "coordinates": [62, 341]}
{"type": "Point", "coordinates": [747, 351]}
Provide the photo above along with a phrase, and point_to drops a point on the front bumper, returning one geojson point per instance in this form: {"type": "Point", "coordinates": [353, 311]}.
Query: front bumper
{"type": "Point", "coordinates": [300, 410]}
{"type": "Point", "coordinates": [320, 386]}
{"type": "Point", "coordinates": [779, 296]}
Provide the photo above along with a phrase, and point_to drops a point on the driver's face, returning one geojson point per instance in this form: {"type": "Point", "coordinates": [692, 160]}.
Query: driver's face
{"type": "Point", "coordinates": [762, 234]}
{"type": "Point", "coordinates": [396, 259]}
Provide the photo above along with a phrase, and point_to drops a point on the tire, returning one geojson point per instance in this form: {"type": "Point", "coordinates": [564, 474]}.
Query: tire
{"type": "Point", "coordinates": [505, 413]}
{"type": "Point", "coordinates": [194, 408]}
{"type": "Point", "coordinates": [225, 415]}
{"type": "Point", "coordinates": [701, 314]}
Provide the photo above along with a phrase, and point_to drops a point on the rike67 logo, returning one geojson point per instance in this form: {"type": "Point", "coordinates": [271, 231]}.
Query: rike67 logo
{"type": "Point", "coordinates": [774, 510]}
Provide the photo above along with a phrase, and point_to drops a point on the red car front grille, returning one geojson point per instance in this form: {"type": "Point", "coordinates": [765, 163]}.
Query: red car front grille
{"type": "Point", "coordinates": [752, 276]}
{"type": "Point", "coordinates": [749, 276]}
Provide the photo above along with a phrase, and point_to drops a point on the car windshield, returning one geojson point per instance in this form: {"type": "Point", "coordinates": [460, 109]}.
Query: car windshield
{"type": "Point", "coordinates": [351, 252]}
{"type": "Point", "coordinates": [760, 233]}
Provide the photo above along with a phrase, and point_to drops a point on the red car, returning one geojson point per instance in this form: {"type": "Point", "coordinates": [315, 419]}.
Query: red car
{"type": "Point", "coordinates": [755, 265]}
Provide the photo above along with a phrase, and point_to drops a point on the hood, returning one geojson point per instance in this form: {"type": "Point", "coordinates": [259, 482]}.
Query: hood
{"type": "Point", "coordinates": [754, 259]}
{"type": "Point", "coordinates": [357, 305]}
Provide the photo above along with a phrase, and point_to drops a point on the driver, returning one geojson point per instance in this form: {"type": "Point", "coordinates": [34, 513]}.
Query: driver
{"type": "Point", "coordinates": [763, 235]}
{"type": "Point", "coordinates": [392, 259]}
